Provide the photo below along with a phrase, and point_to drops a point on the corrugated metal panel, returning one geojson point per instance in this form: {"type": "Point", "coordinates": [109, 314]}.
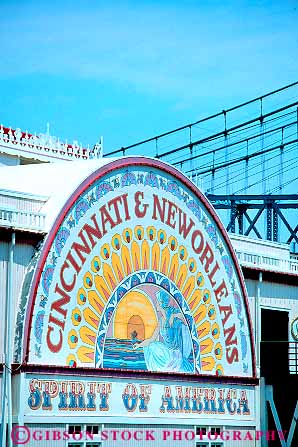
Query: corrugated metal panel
{"type": "Point", "coordinates": [22, 254]}
{"type": "Point", "coordinates": [252, 310]}
{"type": "Point", "coordinates": [3, 277]}
{"type": "Point", "coordinates": [0, 393]}
{"type": "Point", "coordinates": [46, 439]}
{"type": "Point", "coordinates": [273, 291]}
{"type": "Point", "coordinates": [279, 291]}
{"type": "Point", "coordinates": [17, 396]}
{"type": "Point", "coordinates": [275, 296]}
{"type": "Point", "coordinates": [251, 287]}
{"type": "Point", "coordinates": [21, 204]}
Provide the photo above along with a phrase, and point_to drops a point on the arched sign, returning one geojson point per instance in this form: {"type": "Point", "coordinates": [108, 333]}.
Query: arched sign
{"type": "Point", "coordinates": [138, 273]}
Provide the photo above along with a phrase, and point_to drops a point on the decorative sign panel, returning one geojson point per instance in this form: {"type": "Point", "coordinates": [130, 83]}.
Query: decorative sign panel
{"type": "Point", "coordinates": [294, 329]}
{"type": "Point", "coordinates": [91, 397]}
{"type": "Point", "coordinates": [138, 273]}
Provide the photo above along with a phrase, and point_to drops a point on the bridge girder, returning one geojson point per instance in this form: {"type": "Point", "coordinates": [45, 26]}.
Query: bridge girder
{"type": "Point", "coordinates": [268, 206]}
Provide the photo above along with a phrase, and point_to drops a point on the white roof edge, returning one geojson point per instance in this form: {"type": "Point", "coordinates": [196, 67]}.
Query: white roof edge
{"type": "Point", "coordinates": [53, 182]}
{"type": "Point", "coordinates": [23, 195]}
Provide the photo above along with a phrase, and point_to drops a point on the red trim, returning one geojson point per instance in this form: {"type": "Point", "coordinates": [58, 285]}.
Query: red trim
{"type": "Point", "coordinates": [7, 129]}
{"type": "Point", "coordinates": [121, 373]}
{"type": "Point", "coordinates": [46, 154]}
{"type": "Point", "coordinates": [103, 170]}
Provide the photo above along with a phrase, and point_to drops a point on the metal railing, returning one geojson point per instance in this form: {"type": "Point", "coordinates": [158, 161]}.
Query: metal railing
{"type": "Point", "coordinates": [285, 355]}
{"type": "Point", "coordinates": [293, 357]}
{"type": "Point", "coordinates": [25, 220]}
{"type": "Point", "coordinates": [267, 262]}
{"type": "Point", "coordinates": [45, 147]}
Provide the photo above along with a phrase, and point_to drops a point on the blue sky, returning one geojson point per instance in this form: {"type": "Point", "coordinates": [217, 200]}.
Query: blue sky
{"type": "Point", "coordinates": [129, 70]}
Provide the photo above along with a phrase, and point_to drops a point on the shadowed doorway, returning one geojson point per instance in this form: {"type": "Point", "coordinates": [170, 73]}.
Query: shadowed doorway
{"type": "Point", "coordinates": [136, 324]}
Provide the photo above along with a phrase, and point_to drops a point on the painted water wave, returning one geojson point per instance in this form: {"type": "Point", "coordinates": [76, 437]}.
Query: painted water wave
{"type": "Point", "coordinates": [119, 353]}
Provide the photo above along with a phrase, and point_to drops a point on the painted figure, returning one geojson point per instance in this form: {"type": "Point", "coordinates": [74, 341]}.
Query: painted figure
{"type": "Point", "coordinates": [170, 346]}
{"type": "Point", "coordinates": [134, 337]}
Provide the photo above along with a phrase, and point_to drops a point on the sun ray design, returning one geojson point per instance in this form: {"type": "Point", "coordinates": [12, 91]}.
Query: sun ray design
{"type": "Point", "coordinates": [189, 286]}
{"type": "Point", "coordinates": [130, 253]}
{"type": "Point", "coordinates": [155, 257]}
{"type": "Point", "coordinates": [200, 313]}
{"type": "Point", "coordinates": [145, 255]}
{"type": "Point", "coordinates": [96, 302]}
{"type": "Point", "coordinates": [208, 363]}
{"type": "Point", "coordinates": [88, 336]}
{"type": "Point", "coordinates": [136, 256]}
{"type": "Point", "coordinates": [173, 270]}
{"type": "Point", "coordinates": [85, 354]}
{"type": "Point", "coordinates": [182, 275]}
{"type": "Point", "coordinates": [102, 287]}
{"type": "Point", "coordinates": [204, 329]}
{"type": "Point", "coordinates": [91, 317]}
{"type": "Point", "coordinates": [206, 346]}
{"type": "Point", "coordinates": [126, 260]}
{"type": "Point", "coordinates": [194, 299]}
{"type": "Point", "coordinates": [165, 261]}
{"type": "Point", "coordinates": [109, 276]}
{"type": "Point", "coordinates": [117, 267]}
{"type": "Point", "coordinates": [112, 243]}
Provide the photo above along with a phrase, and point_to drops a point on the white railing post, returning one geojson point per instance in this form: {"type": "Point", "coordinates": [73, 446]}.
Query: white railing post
{"type": "Point", "coordinates": [22, 219]}
{"type": "Point", "coordinates": [44, 146]}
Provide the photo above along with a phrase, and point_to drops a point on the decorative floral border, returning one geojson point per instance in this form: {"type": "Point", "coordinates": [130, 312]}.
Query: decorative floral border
{"type": "Point", "coordinates": [129, 177]}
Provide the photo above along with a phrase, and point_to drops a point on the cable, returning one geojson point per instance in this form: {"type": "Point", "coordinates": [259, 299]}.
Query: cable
{"type": "Point", "coordinates": [253, 184]}
{"type": "Point", "coordinates": [248, 158]}
{"type": "Point", "coordinates": [283, 184]}
{"type": "Point", "coordinates": [254, 173]}
{"type": "Point", "coordinates": [211, 151]}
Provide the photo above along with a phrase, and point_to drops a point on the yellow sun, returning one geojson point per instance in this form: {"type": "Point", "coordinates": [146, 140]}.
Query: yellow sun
{"type": "Point", "coordinates": [135, 312]}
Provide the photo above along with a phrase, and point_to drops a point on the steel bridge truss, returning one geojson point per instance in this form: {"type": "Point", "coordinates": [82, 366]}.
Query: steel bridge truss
{"type": "Point", "coordinates": [249, 152]}
{"type": "Point", "coordinates": [268, 207]}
